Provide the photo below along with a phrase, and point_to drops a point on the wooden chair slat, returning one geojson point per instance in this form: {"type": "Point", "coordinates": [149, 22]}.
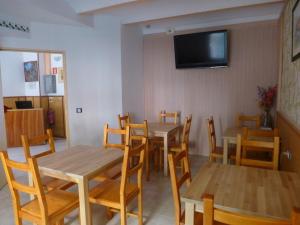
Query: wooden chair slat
{"type": "Point", "coordinates": [241, 119]}
{"type": "Point", "coordinates": [18, 165]}
{"type": "Point", "coordinates": [212, 215]}
{"type": "Point", "coordinates": [183, 179]}
{"type": "Point", "coordinates": [24, 188]}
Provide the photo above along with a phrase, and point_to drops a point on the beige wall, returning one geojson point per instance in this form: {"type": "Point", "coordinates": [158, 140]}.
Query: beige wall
{"type": "Point", "coordinates": [289, 104]}
{"type": "Point", "coordinates": [289, 91]}
{"type": "Point", "coordinates": [2, 136]}
{"type": "Point", "coordinates": [219, 92]}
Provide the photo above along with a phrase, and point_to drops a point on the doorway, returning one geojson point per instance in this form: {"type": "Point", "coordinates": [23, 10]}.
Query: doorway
{"type": "Point", "coordinates": [33, 90]}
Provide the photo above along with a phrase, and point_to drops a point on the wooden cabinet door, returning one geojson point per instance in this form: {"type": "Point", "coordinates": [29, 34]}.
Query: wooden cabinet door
{"type": "Point", "coordinates": [56, 103]}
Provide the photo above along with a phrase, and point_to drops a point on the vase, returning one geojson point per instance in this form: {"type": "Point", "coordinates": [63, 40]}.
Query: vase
{"type": "Point", "coordinates": [267, 121]}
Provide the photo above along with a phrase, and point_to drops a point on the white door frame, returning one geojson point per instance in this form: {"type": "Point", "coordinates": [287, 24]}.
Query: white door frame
{"type": "Point", "coordinates": [66, 116]}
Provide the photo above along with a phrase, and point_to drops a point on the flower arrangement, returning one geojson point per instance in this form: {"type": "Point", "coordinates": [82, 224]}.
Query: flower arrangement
{"type": "Point", "coordinates": [266, 97]}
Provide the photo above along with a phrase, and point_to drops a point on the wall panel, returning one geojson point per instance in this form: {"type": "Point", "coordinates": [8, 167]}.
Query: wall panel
{"type": "Point", "coordinates": [222, 92]}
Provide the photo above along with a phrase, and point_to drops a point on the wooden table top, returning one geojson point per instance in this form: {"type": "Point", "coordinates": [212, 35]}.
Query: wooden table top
{"type": "Point", "coordinates": [79, 162]}
{"type": "Point", "coordinates": [232, 132]}
{"type": "Point", "coordinates": [160, 129]}
{"type": "Point", "coordinates": [252, 191]}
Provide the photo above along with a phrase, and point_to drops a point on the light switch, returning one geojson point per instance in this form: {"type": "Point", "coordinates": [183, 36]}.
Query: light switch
{"type": "Point", "coordinates": [78, 110]}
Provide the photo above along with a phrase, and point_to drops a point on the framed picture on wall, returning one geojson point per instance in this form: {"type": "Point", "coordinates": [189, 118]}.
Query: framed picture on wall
{"type": "Point", "coordinates": [296, 31]}
{"type": "Point", "coordinates": [31, 71]}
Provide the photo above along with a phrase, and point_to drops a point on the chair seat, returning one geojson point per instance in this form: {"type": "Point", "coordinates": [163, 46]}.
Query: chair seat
{"type": "Point", "coordinates": [112, 173]}
{"type": "Point", "coordinates": [51, 183]}
{"type": "Point", "coordinates": [218, 152]}
{"type": "Point", "coordinates": [107, 193]}
{"type": "Point", "coordinates": [58, 202]}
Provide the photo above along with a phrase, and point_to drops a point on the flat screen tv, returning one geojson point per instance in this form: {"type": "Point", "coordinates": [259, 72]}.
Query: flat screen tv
{"type": "Point", "coordinates": [205, 49]}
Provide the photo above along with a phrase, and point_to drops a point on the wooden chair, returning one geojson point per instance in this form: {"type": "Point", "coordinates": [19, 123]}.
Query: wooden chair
{"type": "Point", "coordinates": [114, 172]}
{"type": "Point", "coordinates": [244, 120]}
{"type": "Point", "coordinates": [123, 121]}
{"type": "Point", "coordinates": [272, 146]}
{"type": "Point", "coordinates": [213, 215]}
{"type": "Point", "coordinates": [49, 183]}
{"type": "Point", "coordinates": [216, 152]}
{"type": "Point", "coordinates": [168, 117]}
{"type": "Point", "coordinates": [138, 132]}
{"type": "Point", "coordinates": [46, 208]}
{"type": "Point", "coordinates": [260, 135]}
{"type": "Point", "coordinates": [177, 182]}
{"type": "Point", "coordinates": [185, 136]}
{"type": "Point", "coordinates": [179, 146]}
{"type": "Point", "coordinates": [115, 194]}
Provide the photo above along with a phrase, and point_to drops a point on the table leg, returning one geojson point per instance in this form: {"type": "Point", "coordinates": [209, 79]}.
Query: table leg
{"type": "Point", "coordinates": [225, 151]}
{"type": "Point", "coordinates": [84, 205]}
{"type": "Point", "coordinates": [166, 154]}
{"type": "Point", "coordinates": [189, 213]}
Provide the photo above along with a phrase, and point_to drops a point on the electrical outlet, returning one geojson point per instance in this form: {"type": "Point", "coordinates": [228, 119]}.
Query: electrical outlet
{"type": "Point", "coordinates": [287, 154]}
{"type": "Point", "coordinates": [78, 110]}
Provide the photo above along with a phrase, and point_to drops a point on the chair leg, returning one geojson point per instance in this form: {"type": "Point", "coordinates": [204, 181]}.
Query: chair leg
{"type": "Point", "coordinates": [123, 214]}
{"type": "Point", "coordinates": [140, 208]}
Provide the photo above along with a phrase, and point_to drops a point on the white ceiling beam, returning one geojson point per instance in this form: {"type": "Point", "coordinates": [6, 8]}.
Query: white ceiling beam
{"type": "Point", "coordinates": [93, 5]}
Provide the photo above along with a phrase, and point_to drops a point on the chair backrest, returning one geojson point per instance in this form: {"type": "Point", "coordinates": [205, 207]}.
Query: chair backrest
{"type": "Point", "coordinates": [211, 214]}
{"type": "Point", "coordinates": [136, 170]}
{"type": "Point", "coordinates": [168, 117]}
{"type": "Point", "coordinates": [259, 133]}
{"type": "Point", "coordinates": [26, 143]}
{"type": "Point", "coordinates": [109, 132]}
{"type": "Point", "coordinates": [176, 180]}
{"type": "Point", "coordinates": [138, 131]}
{"type": "Point", "coordinates": [29, 167]}
{"type": "Point", "coordinates": [186, 130]}
{"type": "Point", "coordinates": [246, 143]}
{"type": "Point", "coordinates": [245, 120]}
{"type": "Point", "coordinates": [124, 120]}
{"type": "Point", "coordinates": [212, 139]}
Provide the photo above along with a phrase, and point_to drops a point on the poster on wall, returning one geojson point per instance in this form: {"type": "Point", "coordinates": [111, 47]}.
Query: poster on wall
{"type": "Point", "coordinates": [60, 75]}
{"type": "Point", "coordinates": [57, 66]}
{"type": "Point", "coordinates": [31, 71]}
{"type": "Point", "coordinates": [296, 31]}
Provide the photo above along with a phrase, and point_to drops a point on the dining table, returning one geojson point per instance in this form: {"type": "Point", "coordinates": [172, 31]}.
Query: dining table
{"type": "Point", "coordinates": [246, 190]}
{"type": "Point", "coordinates": [79, 164]}
{"type": "Point", "coordinates": [165, 131]}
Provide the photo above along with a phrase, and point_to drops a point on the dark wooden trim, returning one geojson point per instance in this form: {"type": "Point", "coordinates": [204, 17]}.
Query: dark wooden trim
{"type": "Point", "coordinates": [281, 116]}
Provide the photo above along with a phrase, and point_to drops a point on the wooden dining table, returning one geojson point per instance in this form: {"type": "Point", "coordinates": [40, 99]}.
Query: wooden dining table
{"type": "Point", "coordinates": [246, 190]}
{"type": "Point", "coordinates": [165, 131]}
{"type": "Point", "coordinates": [80, 164]}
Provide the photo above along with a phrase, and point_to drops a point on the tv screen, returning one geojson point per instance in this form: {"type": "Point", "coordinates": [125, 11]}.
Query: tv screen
{"type": "Point", "coordinates": [206, 49]}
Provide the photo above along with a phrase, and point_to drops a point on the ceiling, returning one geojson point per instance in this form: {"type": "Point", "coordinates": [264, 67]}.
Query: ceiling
{"type": "Point", "coordinates": [132, 11]}
{"type": "Point", "coordinates": [160, 14]}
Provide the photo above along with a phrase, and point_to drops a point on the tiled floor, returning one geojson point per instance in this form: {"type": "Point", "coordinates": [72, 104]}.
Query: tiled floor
{"type": "Point", "coordinates": [158, 202]}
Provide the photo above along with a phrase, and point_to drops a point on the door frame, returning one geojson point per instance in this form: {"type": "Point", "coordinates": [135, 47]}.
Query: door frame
{"type": "Point", "coordinates": [66, 100]}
